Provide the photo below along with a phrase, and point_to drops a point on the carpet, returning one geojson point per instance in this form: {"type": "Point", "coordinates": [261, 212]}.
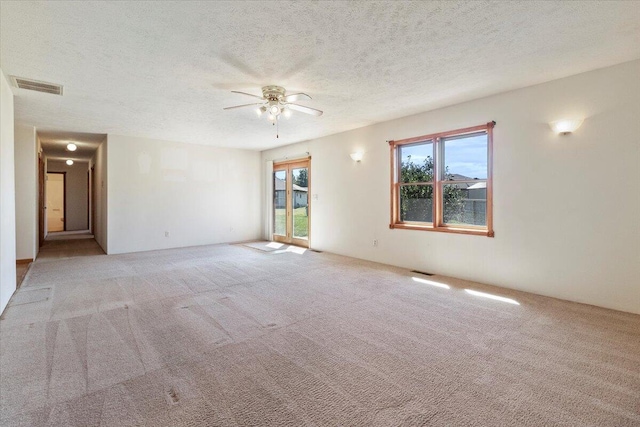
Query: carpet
{"type": "Point", "coordinates": [275, 247]}
{"type": "Point", "coordinates": [265, 246]}
{"type": "Point", "coordinates": [68, 235]}
{"type": "Point", "coordinates": [225, 336]}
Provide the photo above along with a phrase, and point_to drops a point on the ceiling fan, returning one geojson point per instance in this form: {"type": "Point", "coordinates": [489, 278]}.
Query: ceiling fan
{"type": "Point", "coordinates": [276, 102]}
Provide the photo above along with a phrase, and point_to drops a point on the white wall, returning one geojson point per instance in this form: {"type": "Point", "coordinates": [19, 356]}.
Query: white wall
{"type": "Point", "coordinates": [198, 194]}
{"type": "Point", "coordinates": [76, 193]}
{"type": "Point", "coordinates": [7, 195]}
{"type": "Point", "coordinates": [26, 180]}
{"type": "Point", "coordinates": [566, 209]}
{"type": "Point", "coordinates": [99, 162]}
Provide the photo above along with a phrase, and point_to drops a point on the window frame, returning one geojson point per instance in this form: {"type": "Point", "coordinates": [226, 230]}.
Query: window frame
{"type": "Point", "coordinates": [438, 223]}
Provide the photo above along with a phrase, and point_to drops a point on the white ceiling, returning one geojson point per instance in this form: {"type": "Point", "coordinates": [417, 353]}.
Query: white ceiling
{"type": "Point", "coordinates": [54, 145]}
{"type": "Point", "coordinates": [165, 69]}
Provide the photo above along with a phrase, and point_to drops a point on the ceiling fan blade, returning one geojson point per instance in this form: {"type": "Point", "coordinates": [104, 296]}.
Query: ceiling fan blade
{"type": "Point", "coordinates": [296, 97]}
{"type": "Point", "coordinates": [303, 109]}
{"type": "Point", "coordinates": [248, 94]}
{"type": "Point", "coordinates": [243, 105]}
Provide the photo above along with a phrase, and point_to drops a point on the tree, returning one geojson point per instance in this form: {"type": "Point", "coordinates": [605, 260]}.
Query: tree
{"type": "Point", "coordinates": [302, 179]}
{"type": "Point", "coordinates": [416, 201]}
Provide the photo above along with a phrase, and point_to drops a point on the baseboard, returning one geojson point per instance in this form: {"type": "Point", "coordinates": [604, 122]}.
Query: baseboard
{"type": "Point", "coordinates": [24, 261]}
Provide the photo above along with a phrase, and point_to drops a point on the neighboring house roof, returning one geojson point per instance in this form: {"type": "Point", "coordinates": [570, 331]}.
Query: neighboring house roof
{"type": "Point", "coordinates": [478, 186]}
{"type": "Point", "coordinates": [281, 185]}
{"type": "Point", "coordinates": [458, 177]}
{"type": "Point", "coordinates": [463, 185]}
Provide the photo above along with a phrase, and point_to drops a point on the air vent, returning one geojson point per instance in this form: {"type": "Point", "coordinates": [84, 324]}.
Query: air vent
{"type": "Point", "coordinates": [422, 272]}
{"type": "Point", "coordinates": [37, 86]}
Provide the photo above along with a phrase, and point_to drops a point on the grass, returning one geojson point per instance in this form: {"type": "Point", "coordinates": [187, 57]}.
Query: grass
{"type": "Point", "coordinates": [300, 222]}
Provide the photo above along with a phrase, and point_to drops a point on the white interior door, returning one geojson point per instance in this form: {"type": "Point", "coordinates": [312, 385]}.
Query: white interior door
{"type": "Point", "coordinates": [55, 202]}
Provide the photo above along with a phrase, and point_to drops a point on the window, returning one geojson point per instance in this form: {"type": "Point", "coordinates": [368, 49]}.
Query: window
{"type": "Point", "coordinates": [442, 182]}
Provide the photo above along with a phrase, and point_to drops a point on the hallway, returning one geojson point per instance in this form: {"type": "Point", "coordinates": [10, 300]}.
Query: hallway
{"type": "Point", "coordinates": [66, 245]}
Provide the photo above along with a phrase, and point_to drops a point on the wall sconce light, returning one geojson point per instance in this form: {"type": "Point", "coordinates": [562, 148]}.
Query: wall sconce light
{"type": "Point", "coordinates": [70, 162]}
{"type": "Point", "coordinates": [357, 156]}
{"type": "Point", "coordinates": [565, 127]}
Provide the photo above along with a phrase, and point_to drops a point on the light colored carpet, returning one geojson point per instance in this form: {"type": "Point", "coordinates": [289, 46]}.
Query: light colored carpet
{"type": "Point", "coordinates": [55, 248]}
{"type": "Point", "coordinates": [275, 247]}
{"type": "Point", "coordinates": [21, 272]}
{"type": "Point", "coordinates": [69, 235]}
{"type": "Point", "coordinates": [226, 335]}
{"type": "Point", "coordinates": [265, 246]}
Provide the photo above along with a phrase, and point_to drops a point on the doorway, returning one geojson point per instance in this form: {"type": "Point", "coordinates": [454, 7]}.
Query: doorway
{"type": "Point", "coordinates": [291, 202]}
{"type": "Point", "coordinates": [41, 202]}
{"type": "Point", "coordinates": [56, 201]}
{"type": "Point", "coordinates": [92, 199]}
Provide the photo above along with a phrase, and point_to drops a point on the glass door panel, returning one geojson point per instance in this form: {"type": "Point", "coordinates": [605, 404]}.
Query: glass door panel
{"type": "Point", "coordinates": [300, 203]}
{"type": "Point", "coordinates": [291, 202]}
{"type": "Point", "coordinates": [280, 202]}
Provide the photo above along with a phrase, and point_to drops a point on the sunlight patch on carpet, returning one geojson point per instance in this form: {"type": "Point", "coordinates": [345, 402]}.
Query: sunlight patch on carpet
{"type": "Point", "coordinates": [491, 296]}
{"type": "Point", "coordinates": [431, 282]}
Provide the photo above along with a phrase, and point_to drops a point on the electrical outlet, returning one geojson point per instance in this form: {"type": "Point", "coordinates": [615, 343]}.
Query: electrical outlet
{"type": "Point", "coordinates": [375, 242]}
{"type": "Point", "coordinates": [166, 234]}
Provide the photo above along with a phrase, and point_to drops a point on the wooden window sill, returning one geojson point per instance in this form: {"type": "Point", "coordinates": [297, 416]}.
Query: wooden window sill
{"type": "Point", "coordinates": [457, 230]}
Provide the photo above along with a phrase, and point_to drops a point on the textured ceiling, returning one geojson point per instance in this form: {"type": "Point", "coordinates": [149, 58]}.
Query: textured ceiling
{"type": "Point", "coordinates": [54, 144]}
{"type": "Point", "coordinates": [165, 70]}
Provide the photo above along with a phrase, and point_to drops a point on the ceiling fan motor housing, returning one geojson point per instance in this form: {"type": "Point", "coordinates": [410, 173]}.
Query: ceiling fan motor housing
{"type": "Point", "coordinates": [273, 93]}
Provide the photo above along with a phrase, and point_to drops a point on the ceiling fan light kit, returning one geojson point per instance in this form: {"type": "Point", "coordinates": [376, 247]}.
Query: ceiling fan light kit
{"type": "Point", "coordinates": [276, 103]}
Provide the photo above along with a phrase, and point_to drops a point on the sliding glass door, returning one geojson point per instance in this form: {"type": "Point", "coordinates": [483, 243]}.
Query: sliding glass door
{"type": "Point", "coordinates": [291, 202]}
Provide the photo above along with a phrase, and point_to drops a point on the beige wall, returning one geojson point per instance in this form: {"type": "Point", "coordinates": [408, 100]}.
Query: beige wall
{"type": "Point", "coordinates": [7, 195]}
{"type": "Point", "coordinates": [26, 181]}
{"type": "Point", "coordinates": [99, 162]}
{"type": "Point", "coordinates": [566, 209]}
{"type": "Point", "coordinates": [77, 193]}
{"type": "Point", "coordinates": [198, 194]}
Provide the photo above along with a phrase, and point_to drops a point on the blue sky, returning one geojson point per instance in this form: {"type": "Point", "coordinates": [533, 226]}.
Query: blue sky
{"type": "Point", "coordinates": [465, 156]}
{"type": "Point", "coordinates": [418, 153]}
